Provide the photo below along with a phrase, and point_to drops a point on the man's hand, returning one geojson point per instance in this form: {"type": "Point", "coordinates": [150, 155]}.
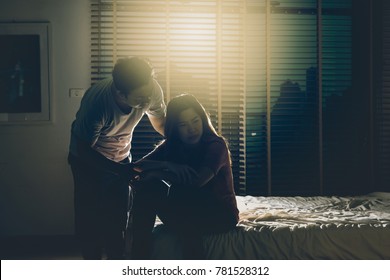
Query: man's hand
{"type": "Point", "coordinates": [127, 171]}
{"type": "Point", "coordinates": [183, 174]}
{"type": "Point", "coordinates": [176, 173]}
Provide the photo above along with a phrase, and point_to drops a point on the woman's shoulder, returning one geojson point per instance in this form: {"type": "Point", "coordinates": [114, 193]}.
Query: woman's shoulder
{"type": "Point", "coordinates": [213, 138]}
{"type": "Point", "coordinates": [215, 142]}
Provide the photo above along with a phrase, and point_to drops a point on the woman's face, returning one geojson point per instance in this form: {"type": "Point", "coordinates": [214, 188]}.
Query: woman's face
{"type": "Point", "coordinates": [190, 126]}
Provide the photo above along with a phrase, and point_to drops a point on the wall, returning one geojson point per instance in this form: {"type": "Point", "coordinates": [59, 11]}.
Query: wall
{"type": "Point", "coordinates": [36, 188]}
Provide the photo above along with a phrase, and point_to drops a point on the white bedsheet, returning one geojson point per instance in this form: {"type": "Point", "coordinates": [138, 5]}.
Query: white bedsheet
{"type": "Point", "coordinates": [372, 209]}
{"type": "Point", "coordinates": [299, 228]}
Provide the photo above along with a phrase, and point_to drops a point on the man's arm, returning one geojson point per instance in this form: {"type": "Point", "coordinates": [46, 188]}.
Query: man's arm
{"type": "Point", "coordinates": [157, 123]}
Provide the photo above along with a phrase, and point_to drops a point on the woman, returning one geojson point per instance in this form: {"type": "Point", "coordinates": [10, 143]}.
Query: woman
{"type": "Point", "coordinates": [195, 161]}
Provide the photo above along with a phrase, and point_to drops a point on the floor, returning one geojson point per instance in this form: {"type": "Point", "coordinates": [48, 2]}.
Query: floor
{"type": "Point", "coordinates": [39, 248]}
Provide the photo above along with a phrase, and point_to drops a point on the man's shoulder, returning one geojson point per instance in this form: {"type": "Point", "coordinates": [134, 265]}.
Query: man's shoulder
{"type": "Point", "coordinates": [157, 90]}
{"type": "Point", "coordinates": [157, 105]}
{"type": "Point", "coordinates": [99, 90]}
{"type": "Point", "coordinates": [102, 85]}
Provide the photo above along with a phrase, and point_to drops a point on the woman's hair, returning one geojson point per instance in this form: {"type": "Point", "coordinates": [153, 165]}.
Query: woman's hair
{"type": "Point", "coordinates": [177, 105]}
{"type": "Point", "coordinates": [130, 73]}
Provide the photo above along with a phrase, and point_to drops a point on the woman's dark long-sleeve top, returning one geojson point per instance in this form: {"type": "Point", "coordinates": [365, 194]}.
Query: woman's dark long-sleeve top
{"type": "Point", "coordinates": [212, 153]}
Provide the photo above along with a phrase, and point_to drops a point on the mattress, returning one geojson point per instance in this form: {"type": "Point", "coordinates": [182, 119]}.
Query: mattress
{"type": "Point", "coordinates": [318, 227]}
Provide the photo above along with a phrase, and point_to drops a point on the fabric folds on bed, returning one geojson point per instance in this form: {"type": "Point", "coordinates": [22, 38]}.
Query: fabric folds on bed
{"type": "Point", "coordinates": [356, 227]}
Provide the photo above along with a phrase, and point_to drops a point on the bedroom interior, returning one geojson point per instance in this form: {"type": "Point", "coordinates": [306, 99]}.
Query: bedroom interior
{"type": "Point", "coordinates": [298, 88]}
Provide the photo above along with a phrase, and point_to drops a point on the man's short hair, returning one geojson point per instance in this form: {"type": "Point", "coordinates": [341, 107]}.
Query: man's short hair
{"type": "Point", "coordinates": [131, 72]}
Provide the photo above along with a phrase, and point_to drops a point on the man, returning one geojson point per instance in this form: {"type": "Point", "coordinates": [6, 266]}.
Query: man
{"type": "Point", "coordinates": [100, 157]}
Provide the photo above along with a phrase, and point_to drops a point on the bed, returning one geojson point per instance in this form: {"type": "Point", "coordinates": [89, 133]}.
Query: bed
{"type": "Point", "coordinates": [318, 227]}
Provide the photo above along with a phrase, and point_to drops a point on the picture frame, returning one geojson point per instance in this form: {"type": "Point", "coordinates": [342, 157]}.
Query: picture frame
{"type": "Point", "coordinates": [25, 74]}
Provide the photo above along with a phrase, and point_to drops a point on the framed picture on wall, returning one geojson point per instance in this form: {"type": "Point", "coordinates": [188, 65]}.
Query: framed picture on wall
{"type": "Point", "coordinates": [25, 86]}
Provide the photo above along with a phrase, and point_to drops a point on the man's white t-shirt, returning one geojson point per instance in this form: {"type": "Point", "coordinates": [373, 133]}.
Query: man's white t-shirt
{"type": "Point", "coordinates": [101, 123]}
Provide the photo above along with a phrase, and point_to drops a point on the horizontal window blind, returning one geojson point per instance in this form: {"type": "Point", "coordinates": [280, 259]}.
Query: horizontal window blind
{"type": "Point", "coordinates": [383, 106]}
{"type": "Point", "coordinates": [294, 110]}
{"type": "Point", "coordinates": [256, 157]}
{"type": "Point", "coordinates": [338, 111]}
{"type": "Point", "coordinates": [304, 62]}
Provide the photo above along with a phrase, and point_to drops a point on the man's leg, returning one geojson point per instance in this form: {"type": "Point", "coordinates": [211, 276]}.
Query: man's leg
{"type": "Point", "coordinates": [117, 203]}
{"type": "Point", "coordinates": [87, 212]}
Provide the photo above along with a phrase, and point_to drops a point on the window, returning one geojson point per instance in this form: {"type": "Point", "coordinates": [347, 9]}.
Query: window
{"type": "Point", "coordinates": [276, 77]}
